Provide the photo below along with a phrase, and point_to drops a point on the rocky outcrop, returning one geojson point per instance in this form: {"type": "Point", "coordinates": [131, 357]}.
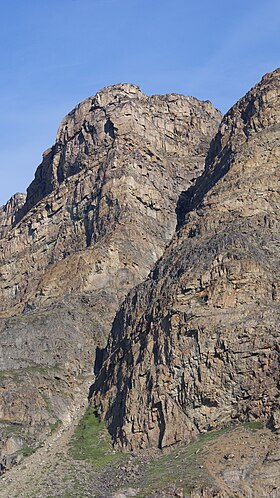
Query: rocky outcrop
{"type": "Point", "coordinates": [196, 346]}
{"type": "Point", "coordinates": [11, 212]}
{"type": "Point", "coordinates": [102, 205]}
{"type": "Point", "coordinates": [97, 216]}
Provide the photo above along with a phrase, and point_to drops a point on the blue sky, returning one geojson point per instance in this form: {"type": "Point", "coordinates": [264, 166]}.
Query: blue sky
{"type": "Point", "coordinates": [55, 53]}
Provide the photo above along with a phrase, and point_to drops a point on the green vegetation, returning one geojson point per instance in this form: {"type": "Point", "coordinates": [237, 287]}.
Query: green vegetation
{"type": "Point", "coordinates": [182, 467]}
{"type": "Point", "coordinates": [54, 426]}
{"type": "Point", "coordinates": [13, 430]}
{"type": "Point", "coordinates": [91, 442]}
{"type": "Point", "coordinates": [18, 373]}
{"type": "Point", "coordinates": [27, 450]}
{"type": "Point", "coordinates": [48, 403]}
{"type": "Point", "coordinates": [254, 425]}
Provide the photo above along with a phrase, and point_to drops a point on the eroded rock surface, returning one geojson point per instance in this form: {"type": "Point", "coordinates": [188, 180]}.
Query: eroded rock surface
{"type": "Point", "coordinates": [11, 212]}
{"type": "Point", "coordinates": [102, 205]}
{"type": "Point", "coordinates": [196, 346]}
{"type": "Point", "coordinates": [97, 216]}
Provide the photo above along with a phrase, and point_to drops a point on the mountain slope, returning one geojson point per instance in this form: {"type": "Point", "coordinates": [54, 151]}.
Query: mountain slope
{"type": "Point", "coordinates": [99, 213]}
{"type": "Point", "coordinates": [196, 346]}
{"type": "Point", "coordinates": [120, 161]}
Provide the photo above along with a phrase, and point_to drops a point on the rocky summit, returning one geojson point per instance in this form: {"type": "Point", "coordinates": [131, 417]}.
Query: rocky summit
{"type": "Point", "coordinates": [96, 218]}
{"type": "Point", "coordinates": [196, 346]}
{"type": "Point", "coordinates": [146, 249]}
{"type": "Point", "coordinates": [112, 178]}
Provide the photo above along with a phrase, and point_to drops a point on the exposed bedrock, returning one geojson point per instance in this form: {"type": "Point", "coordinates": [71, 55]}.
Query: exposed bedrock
{"type": "Point", "coordinates": [97, 216]}
{"type": "Point", "coordinates": [196, 346]}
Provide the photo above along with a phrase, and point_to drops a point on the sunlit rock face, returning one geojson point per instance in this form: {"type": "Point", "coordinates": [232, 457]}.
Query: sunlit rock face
{"type": "Point", "coordinates": [196, 346]}
{"type": "Point", "coordinates": [102, 205]}
{"type": "Point", "coordinates": [97, 216]}
{"type": "Point", "coordinates": [11, 212]}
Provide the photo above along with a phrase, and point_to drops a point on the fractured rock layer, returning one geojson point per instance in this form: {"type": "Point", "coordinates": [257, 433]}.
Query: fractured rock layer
{"type": "Point", "coordinates": [196, 346]}
{"type": "Point", "coordinates": [97, 216]}
{"type": "Point", "coordinates": [10, 213]}
{"type": "Point", "coordinates": [102, 205]}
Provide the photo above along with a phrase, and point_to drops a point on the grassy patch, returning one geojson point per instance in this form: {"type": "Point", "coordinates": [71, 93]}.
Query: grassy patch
{"type": "Point", "coordinates": [36, 369]}
{"type": "Point", "coordinates": [48, 403]}
{"type": "Point", "coordinates": [53, 427]}
{"type": "Point", "coordinates": [182, 466]}
{"type": "Point", "coordinates": [27, 450]}
{"type": "Point", "coordinates": [254, 425]}
{"type": "Point", "coordinates": [10, 431]}
{"type": "Point", "coordinates": [92, 442]}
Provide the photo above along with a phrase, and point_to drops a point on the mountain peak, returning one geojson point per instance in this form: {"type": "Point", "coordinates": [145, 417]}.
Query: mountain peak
{"type": "Point", "coordinates": [119, 114]}
{"type": "Point", "coordinates": [98, 215]}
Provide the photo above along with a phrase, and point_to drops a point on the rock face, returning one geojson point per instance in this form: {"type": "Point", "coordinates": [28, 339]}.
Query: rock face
{"type": "Point", "coordinates": [196, 346]}
{"type": "Point", "coordinates": [97, 216]}
{"type": "Point", "coordinates": [10, 213]}
{"type": "Point", "coordinates": [102, 206]}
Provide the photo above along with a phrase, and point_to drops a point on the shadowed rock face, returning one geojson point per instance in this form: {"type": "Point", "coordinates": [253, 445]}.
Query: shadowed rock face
{"type": "Point", "coordinates": [97, 216]}
{"type": "Point", "coordinates": [196, 346]}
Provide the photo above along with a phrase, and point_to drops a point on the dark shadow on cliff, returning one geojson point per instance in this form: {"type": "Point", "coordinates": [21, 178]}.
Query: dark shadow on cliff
{"type": "Point", "coordinates": [191, 198]}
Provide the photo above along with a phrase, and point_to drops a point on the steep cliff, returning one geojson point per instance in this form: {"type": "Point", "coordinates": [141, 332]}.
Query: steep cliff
{"type": "Point", "coordinates": [11, 212]}
{"type": "Point", "coordinates": [196, 346]}
{"type": "Point", "coordinates": [97, 216]}
{"type": "Point", "coordinates": [102, 205]}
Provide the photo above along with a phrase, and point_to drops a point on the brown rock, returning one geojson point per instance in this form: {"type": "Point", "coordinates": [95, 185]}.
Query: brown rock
{"type": "Point", "coordinates": [97, 216]}
{"type": "Point", "coordinates": [11, 212]}
{"type": "Point", "coordinates": [102, 206]}
{"type": "Point", "coordinates": [196, 346]}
